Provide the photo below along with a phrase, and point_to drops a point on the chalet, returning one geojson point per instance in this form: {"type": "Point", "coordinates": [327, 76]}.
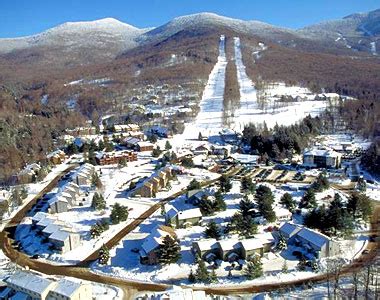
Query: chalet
{"type": "Point", "coordinates": [84, 175]}
{"type": "Point", "coordinates": [202, 149]}
{"type": "Point", "coordinates": [314, 243]}
{"type": "Point", "coordinates": [322, 158]}
{"type": "Point", "coordinates": [57, 157]}
{"type": "Point", "coordinates": [144, 146]}
{"type": "Point", "coordinates": [251, 247]}
{"type": "Point", "coordinates": [206, 249]}
{"type": "Point", "coordinates": [228, 250]}
{"type": "Point", "coordinates": [151, 245]}
{"type": "Point", "coordinates": [183, 218]}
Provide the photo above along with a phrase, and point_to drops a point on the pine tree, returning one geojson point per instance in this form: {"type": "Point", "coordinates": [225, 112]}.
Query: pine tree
{"type": "Point", "coordinates": [206, 206]}
{"type": "Point", "coordinates": [23, 193]}
{"type": "Point", "coordinates": [201, 273]}
{"type": "Point", "coordinates": [213, 276]}
{"type": "Point", "coordinates": [170, 251]}
{"type": "Point", "coordinates": [284, 268]}
{"type": "Point", "coordinates": [104, 255]}
{"type": "Point", "coordinates": [168, 146]}
{"type": "Point", "coordinates": [98, 202]}
{"type": "Point", "coordinates": [219, 203]}
{"type": "Point", "coordinates": [212, 231]}
{"type": "Point", "coordinates": [194, 185]}
{"type": "Point", "coordinates": [321, 183]}
{"type": "Point", "coordinates": [288, 202]}
{"type": "Point", "coordinates": [301, 266]}
{"type": "Point", "coordinates": [282, 245]}
{"type": "Point", "coordinates": [245, 206]}
{"type": "Point", "coordinates": [360, 205]}
{"type": "Point", "coordinates": [191, 277]}
{"type": "Point", "coordinates": [16, 197]}
{"type": "Point", "coordinates": [247, 185]}
{"type": "Point", "coordinates": [119, 213]}
{"type": "Point", "coordinates": [225, 184]}
{"type": "Point", "coordinates": [254, 268]}
{"type": "Point", "coordinates": [308, 200]}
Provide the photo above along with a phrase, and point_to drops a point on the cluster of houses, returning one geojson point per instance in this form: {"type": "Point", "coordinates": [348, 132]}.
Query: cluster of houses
{"type": "Point", "coordinates": [92, 130]}
{"type": "Point", "coordinates": [27, 285]}
{"type": "Point", "coordinates": [137, 144]}
{"type": "Point", "coordinates": [111, 158]}
{"type": "Point", "coordinates": [314, 244]}
{"type": "Point", "coordinates": [322, 158]}
{"type": "Point", "coordinates": [233, 249]}
{"type": "Point", "coordinates": [155, 183]}
{"type": "Point", "coordinates": [61, 235]}
{"type": "Point", "coordinates": [65, 199]}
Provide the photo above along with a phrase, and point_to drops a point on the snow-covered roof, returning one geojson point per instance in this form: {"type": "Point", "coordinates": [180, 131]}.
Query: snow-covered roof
{"type": "Point", "coordinates": [66, 287]}
{"type": "Point", "coordinates": [282, 212]}
{"type": "Point", "coordinates": [321, 152]}
{"type": "Point", "coordinates": [172, 213]}
{"type": "Point", "coordinates": [30, 282]}
{"type": "Point", "coordinates": [205, 245]}
{"type": "Point", "coordinates": [151, 243]}
{"type": "Point", "coordinates": [144, 144]}
{"type": "Point", "coordinates": [245, 158]}
{"type": "Point", "coordinates": [229, 244]}
{"type": "Point", "coordinates": [51, 228]}
{"type": "Point", "coordinates": [39, 216]}
{"type": "Point", "coordinates": [60, 235]}
{"type": "Point", "coordinates": [289, 229]}
{"type": "Point", "coordinates": [251, 244]}
{"type": "Point", "coordinates": [20, 296]}
{"type": "Point", "coordinates": [313, 237]}
{"type": "Point", "coordinates": [189, 214]}
{"type": "Point", "coordinates": [46, 221]}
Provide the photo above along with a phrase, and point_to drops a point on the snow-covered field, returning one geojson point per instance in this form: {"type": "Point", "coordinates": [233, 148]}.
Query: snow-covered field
{"type": "Point", "coordinates": [209, 120]}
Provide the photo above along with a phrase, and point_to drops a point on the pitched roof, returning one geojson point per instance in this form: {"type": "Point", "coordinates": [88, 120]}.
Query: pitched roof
{"type": "Point", "coordinates": [289, 229]}
{"type": "Point", "coordinates": [205, 245]}
{"type": "Point", "coordinates": [251, 244]}
{"type": "Point", "coordinates": [66, 287]}
{"type": "Point", "coordinates": [313, 237]}
{"type": "Point", "coordinates": [30, 281]}
{"type": "Point", "coordinates": [189, 214]}
{"type": "Point", "coordinates": [229, 244]}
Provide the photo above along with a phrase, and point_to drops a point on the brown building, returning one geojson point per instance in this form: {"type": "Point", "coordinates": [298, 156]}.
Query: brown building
{"type": "Point", "coordinates": [112, 158]}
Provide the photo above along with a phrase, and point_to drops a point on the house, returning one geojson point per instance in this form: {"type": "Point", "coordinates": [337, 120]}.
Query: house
{"type": "Point", "coordinates": [175, 293]}
{"type": "Point", "coordinates": [288, 230]}
{"type": "Point", "coordinates": [144, 146]}
{"type": "Point", "coordinates": [29, 284]}
{"type": "Point", "coordinates": [228, 250]}
{"type": "Point", "coordinates": [314, 243]}
{"type": "Point", "coordinates": [146, 190]}
{"type": "Point", "coordinates": [206, 249]}
{"type": "Point", "coordinates": [229, 136]}
{"type": "Point", "coordinates": [322, 158]}
{"type": "Point", "coordinates": [28, 174]}
{"type": "Point", "coordinates": [84, 175]}
{"type": "Point", "coordinates": [250, 248]}
{"type": "Point", "coordinates": [69, 290]}
{"type": "Point", "coordinates": [58, 205]}
{"type": "Point", "coordinates": [65, 240]}
{"type": "Point", "coordinates": [202, 150]}
{"type": "Point", "coordinates": [184, 218]}
{"type": "Point", "coordinates": [151, 245]}
{"type": "Point", "coordinates": [131, 142]}
{"type": "Point", "coordinates": [195, 196]}
{"type": "Point", "coordinates": [155, 183]}
{"type": "Point", "coordinates": [57, 157]}
{"type": "Point", "coordinates": [220, 151]}
{"type": "Point", "coordinates": [245, 159]}
{"type": "Point", "coordinates": [282, 214]}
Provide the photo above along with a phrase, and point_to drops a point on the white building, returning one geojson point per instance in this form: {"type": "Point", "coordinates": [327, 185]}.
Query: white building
{"type": "Point", "coordinates": [321, 158]}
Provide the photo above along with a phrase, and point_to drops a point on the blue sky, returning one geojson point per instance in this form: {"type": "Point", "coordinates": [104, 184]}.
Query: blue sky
{"type": "Point", "coordinates": [25, 17]}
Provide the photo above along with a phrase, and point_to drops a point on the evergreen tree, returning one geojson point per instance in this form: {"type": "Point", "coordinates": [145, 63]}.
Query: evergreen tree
{"type": "Point", "coordinates": [23, 193]}
{"type": "Point", "coordinates": [308, 200]}
{"type": "Point", "coordinates": [243, 225]}
{"type": "Point", "coordinates": [225, 184]}
{"type": "Point", "coordinates": [301, 266]}
{"type": "Point", "coordinates": [200, 137]}
{"type": "Point", "coordinates": [321, 183]}
{"type": "Point", "coordinates": [245, 206]}
{"type": "Point", "coordinates": [170, 251]}
{"type": "Point", "coordinates": [132, 185]}
{"type": "Point", "coordinates": [213, 276]}
{"type": "Point", "coordinates": [254, 268]}
{"type": "Point", "coordinates": [247, 185]}
{"type": "Point", "coordinates": [206, 206]}
{"type": "Point", "coordinates": [285, 268]}
{"type": "Point", "coordinates": [201, 273]}
{"type": "Point", "coordinates": [282, 244]}
{"type": "Point", "coordinates": [219, 203]}
{"type": "Point", "coordinates": [359, 205]}
{"type": "Point", "coordinates": [212, 231]}
{"type": "Point", "coordinates": [265, 199]}
{"type": "Point", "coordinates": [98, 202]}
{"type": "Point", "coordinates": [119, 213]}
{"type": "Point", "coordinates": [104, 255]}
{"type": "Point", "coordinates": [191, 277]}
{"type": "Point", "coordinates": [194, 185]}
{"type": "Point", "coordinates": [168, 146]}
{"type": "Point", "coordinates": [16, 196]}
{"type": "Point", "coordinates": [122, 163]}
{"type": "Point", "coordinates": [361, 185]}
{"type": "Point", "coordinates": [156, 152]}
{"type": "Point", "coordinates": [288, 202]}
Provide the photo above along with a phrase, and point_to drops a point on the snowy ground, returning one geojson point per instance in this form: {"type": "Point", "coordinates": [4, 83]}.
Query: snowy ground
{"type": "Point", "coordinates": [210, 118]}
{"type": "Point", "coordinates": [125, 262]}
